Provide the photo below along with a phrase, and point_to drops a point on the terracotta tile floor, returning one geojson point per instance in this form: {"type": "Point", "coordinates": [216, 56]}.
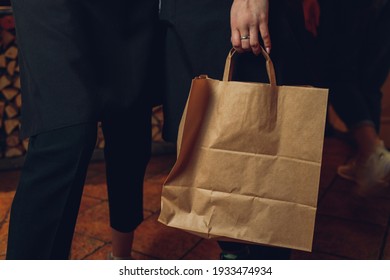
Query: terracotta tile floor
{"type": "Point", "coordinates": [347, 227]}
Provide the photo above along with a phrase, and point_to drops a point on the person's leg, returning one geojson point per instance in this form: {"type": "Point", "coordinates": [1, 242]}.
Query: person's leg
{"type": "Point", "coordinates": [366, 139]}
{"type": "Point", "coordinates": [361, 113]}
{"type": "Point", "coordinates": [122, 243]}
{"type": "Point", "coordinates": [47, 200]}
{"type": "Point", "coordinates": [127, 152]}
{"type": "Point", "coordinates": [132, 79]}
{"type": "Point", "coordinates": [362, 110]}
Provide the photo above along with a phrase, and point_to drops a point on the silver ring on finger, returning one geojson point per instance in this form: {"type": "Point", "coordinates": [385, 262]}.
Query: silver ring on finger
{"type": "Point", "coordinates": [245, 37]}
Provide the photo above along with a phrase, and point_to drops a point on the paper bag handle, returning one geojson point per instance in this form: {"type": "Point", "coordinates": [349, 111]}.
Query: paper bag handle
{"type": "Point", "coordinates": [227, 74]}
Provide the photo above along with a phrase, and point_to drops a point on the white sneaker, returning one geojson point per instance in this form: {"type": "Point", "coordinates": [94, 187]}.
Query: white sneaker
{"type": "Point", "coordinates": [374, 172]}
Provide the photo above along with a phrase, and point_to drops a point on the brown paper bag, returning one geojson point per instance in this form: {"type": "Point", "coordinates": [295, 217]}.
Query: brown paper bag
{"type": "Point", "coordinates": [249, 159]}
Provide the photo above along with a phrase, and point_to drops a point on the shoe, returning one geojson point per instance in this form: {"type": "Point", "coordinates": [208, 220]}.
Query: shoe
{"type": "Point", "coordinates": [374, 172]}
{"type": "Point", "coordinates": [228, 256]}
{"type": "Point", "coordinates": [237, 255]}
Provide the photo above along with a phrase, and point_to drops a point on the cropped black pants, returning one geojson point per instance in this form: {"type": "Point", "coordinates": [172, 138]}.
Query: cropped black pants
{"type": "Point", "coordinates": [47, 200]}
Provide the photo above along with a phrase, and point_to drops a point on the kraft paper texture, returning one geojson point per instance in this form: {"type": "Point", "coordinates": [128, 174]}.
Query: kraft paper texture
{"type": "Point", "coordinates": [249, 160]}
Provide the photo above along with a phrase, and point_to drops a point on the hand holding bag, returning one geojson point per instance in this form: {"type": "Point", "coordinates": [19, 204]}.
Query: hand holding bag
{"type": "Point", "coordinates": [249, 160]}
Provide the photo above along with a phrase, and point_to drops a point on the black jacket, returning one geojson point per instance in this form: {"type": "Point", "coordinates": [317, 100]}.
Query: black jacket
{"type": "Point", "coordinates": [82, 60]}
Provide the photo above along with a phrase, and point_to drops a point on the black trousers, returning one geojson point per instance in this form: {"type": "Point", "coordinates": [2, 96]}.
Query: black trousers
{"type": "Point", "coordinates": [47, 200]}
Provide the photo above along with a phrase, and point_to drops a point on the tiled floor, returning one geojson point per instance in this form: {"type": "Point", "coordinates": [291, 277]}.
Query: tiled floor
{"type": "Point", "coordinates": [347, 227]}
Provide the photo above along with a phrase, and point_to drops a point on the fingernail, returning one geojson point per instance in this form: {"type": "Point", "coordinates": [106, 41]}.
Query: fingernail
{"type": "Point", "coordinates": [268, 50]}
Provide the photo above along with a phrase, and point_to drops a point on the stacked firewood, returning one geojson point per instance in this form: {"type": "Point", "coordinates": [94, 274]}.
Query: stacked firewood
{"type": "Point", "coordinates": [157, 124]}
{"type": "Point", "coordinates": [10, 97]}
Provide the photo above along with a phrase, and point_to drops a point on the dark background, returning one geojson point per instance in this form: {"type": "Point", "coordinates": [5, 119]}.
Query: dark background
{"type": "Point", "coordinates": [5, 3]}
